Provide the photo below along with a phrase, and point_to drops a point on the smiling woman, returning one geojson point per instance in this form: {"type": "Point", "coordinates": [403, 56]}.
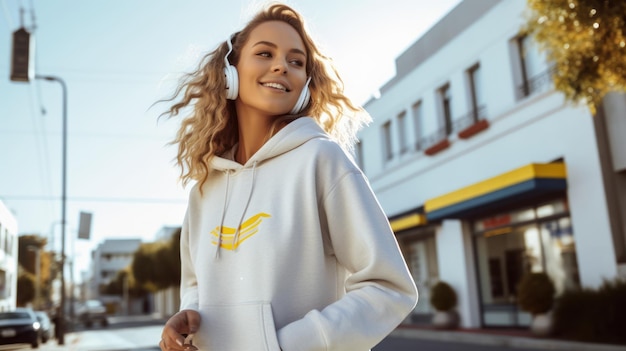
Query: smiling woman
{"type": "Point", "coordinates": [114, 73]}
{"type": "Point", "coordinates": [284, 245]}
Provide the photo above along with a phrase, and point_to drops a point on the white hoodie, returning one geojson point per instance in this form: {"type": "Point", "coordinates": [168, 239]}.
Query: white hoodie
{"type": "Point", "coordinates": [314, 266]}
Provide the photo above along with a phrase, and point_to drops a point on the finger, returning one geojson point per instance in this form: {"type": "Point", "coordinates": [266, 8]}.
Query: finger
{"type": "Point", "coordinates": [193, 321]}
{"type": "Point", "coordinates": [168, 343]}
{"type": "Point", "coordinates": [172, 336]}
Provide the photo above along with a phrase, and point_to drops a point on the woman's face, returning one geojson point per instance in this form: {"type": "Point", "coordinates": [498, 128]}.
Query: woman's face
{"type": "Point", "coordinates": [272, 70]}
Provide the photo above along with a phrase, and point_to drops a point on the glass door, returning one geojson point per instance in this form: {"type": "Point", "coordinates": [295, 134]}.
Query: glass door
{"type": "Point", "coordinates": [422, 261]}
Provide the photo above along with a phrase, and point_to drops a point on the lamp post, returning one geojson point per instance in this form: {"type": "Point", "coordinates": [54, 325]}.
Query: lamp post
{"type": "Point", "coordinates": [61, 315]}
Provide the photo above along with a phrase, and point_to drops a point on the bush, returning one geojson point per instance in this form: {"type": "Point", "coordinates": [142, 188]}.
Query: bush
{"type": "Point", "coordinates": [535, 293]}
{"type": "Point", "coordinates": [592, 315]}
{"type": "Point", "coordinates": [442, 297]}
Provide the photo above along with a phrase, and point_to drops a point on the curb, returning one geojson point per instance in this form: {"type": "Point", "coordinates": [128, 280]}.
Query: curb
{"type": "Point", "coordinates": [502, 340]}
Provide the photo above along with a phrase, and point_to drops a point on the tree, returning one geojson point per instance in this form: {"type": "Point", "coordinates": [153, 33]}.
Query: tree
{"type": "Point", "coordinates": [116, 286]}
{"type": "Point", "coordinates": [586, 42]}
{"type": "Point", "coordinates": [29, 247]}
{"type": "Point", "coordinates": [156, 265]}
{"type": "Point", "coordinates": [25, 288]}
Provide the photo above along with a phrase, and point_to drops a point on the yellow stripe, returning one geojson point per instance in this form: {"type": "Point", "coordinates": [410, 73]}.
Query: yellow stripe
{"type": "Point", "coordinates": [409, 221]}
{"type": "Point", "coordinates": [531, 171]}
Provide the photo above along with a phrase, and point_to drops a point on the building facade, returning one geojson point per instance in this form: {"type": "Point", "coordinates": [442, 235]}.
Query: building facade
{"type": "Point", "coordinates": [486, 173]}
{"type": "Point", "coordinates": [8, 259]}
{"type": "Point", "coordinates": [110, 257]}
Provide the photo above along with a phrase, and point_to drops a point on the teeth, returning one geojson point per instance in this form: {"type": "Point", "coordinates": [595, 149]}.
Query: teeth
{"type": "Point", "coordinates": [275, 86]}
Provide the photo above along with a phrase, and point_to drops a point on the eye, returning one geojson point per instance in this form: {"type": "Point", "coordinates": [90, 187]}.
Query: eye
{"type": "Point", "coordinates": [297, 62]}
{"type": "Point", "coordinates": [264, 54]}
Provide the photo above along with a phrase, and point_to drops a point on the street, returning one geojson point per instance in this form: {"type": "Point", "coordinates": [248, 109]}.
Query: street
{"type": "Point", "coordinates": [122, 334]}
{"type": "Point", "coordinates": [143, 334]}
{"type": "Point", "coordinates": [409, 344]}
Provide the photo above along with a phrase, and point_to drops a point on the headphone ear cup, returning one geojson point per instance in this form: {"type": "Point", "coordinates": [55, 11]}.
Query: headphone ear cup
{"type": "Point", "coordinates": [303, 99]}
{"type": "Point", "coordinates": [232, 82]}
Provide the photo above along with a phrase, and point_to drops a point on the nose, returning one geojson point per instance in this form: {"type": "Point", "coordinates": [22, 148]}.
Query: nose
{"type": "Point", "coordinates": [280, 66]}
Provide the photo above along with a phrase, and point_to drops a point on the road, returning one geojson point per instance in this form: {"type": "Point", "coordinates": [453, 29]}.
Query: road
{"type": "Point", "coordinates": [409, 344]}
{"type": "Point", "coordinates": [144, 335]}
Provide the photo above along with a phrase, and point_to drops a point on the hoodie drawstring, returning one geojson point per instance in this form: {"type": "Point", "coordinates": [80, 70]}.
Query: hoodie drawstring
{"type": "Point", "coordinates": [221, 228]}
{"type": "Point", "coordinates": [236, 239]}
{"type": "Point", "coordinates": [243, 213]}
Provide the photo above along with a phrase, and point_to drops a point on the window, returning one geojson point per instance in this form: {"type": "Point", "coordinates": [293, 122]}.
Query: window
{"type": "Point", "coordinates": [532, 68]}
{"type": "Point", "coordinates": [416, 110]}
{"type": "Point", "coordinates": [475, 87]}
{"type": "Point", "coordinates": [358, 153]}
{"type": "Point", "coordinates": [402, 132]}
{"type": "Point", "coordinates": [388, 151]}
{"type": "Point", "coordinates": [510, 244]}
{"type": "Point", "coordinates": [446, 109]}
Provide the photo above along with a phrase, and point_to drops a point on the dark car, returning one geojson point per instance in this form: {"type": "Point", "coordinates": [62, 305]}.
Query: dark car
{"type": "Point", "coordinates": [45, 328]}
{"type": "Point", "coordinates": [19, 327]}
{"type": "Point", "coordinates": [92, 311]}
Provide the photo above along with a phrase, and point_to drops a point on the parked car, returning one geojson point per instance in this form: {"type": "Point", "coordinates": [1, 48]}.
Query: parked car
{"type": "Point", "coordinates": [19, 327]}
{"type": "Point", "coordinates": [92, 311]}
{"type": "Point", "coordinates": [45, 328]}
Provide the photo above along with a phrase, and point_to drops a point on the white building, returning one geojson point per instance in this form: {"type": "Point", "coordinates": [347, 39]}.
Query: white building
{"type": "Point", "coordinates": [111, 256]}
{"type": "Point", "coordinates": [8, 259]}
{"type": "Point", "coordinates": [486, 173]}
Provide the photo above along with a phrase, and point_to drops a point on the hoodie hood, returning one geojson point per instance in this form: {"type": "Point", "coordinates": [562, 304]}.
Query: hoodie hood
{"type": "Point", "coordinates": [288, 138]}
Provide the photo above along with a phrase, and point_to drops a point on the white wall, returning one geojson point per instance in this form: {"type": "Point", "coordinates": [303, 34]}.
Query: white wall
{"type": "Point", "coordinates": [538, 129]}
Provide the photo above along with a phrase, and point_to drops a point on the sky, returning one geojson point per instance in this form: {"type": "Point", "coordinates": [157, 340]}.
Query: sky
{"type": "Point", "coordinates": [117, 58]}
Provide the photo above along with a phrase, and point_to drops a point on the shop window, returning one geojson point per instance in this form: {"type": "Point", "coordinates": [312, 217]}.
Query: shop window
{"type": "Point", "coordinates": [421, 257]}
{"type": "Point", "coordinates": [3, 285]}
{"type": "Point", "coordinates": [509, 245]}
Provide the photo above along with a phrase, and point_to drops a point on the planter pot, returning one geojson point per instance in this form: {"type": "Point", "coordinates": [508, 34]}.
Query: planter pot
{"type": "Point", "coordinates": [474, 129]}
{"type": "Point", "coordinates": [541, 324]}
{"type": "Point", "coordinates": [445, 320]}
{"type": "Point", "coordinates": [437, 147]}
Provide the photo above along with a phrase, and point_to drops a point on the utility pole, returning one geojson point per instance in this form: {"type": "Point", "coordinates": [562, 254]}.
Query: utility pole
{"type": "Point", "coordinates": [61, 316]}
{"type": "Point", "coordinates": [22, 70]}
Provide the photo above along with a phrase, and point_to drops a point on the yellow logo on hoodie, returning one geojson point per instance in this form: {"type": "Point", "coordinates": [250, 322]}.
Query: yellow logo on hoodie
{"type": "Point", "coordinates": [247, 229]}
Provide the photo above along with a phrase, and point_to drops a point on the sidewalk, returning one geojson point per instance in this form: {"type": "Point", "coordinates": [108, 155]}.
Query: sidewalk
{"type": "Point", "coordinates": [509, 338]}
{"type": "Point", "coordinates": [83, 340]}
{"type": "Point", "coordinates": [495, 337]}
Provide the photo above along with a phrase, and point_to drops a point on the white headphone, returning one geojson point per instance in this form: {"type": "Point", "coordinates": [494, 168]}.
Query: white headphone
{"type": "Point", "coordinates": [232, 84]}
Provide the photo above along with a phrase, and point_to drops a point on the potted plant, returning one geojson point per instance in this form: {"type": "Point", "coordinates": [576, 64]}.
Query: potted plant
{"type": "Point", "coordinates": [535, 295]}
{"type": "Point", "coordinates": [443, 299]}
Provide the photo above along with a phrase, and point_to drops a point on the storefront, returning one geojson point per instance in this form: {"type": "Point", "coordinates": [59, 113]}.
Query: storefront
{"type": "Point", "coordinates": [510, 244]}
{"type": "Point", "coordinates": [519, 222]}
{"type": "Point", "coordinates": [417, 240]}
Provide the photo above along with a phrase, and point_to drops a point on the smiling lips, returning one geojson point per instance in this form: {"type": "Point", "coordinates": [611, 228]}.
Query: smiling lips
{"type": "Point", "coordinates": [276, 86]}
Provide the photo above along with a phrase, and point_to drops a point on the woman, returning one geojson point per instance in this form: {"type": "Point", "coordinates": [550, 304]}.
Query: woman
{"type": "Point", "coordinates": [284, 246]}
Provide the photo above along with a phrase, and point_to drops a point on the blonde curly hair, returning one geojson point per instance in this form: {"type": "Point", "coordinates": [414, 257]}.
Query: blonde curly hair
{"type": "Point", "coordinates": [211, 128]}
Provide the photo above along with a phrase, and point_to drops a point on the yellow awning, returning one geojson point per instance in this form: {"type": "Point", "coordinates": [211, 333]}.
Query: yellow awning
{"type": "Point", "coordinates": [408, 221]}
{"type": "Point", "coordinates": [531, 179]}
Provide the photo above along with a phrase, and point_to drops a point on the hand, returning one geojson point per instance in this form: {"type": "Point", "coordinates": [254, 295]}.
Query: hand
{"type": "Point", "coordinates": [183, 322]}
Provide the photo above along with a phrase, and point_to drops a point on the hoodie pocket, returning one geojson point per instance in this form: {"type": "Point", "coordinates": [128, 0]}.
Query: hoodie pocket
{"type": "Point", "coordinates": [248, 327]}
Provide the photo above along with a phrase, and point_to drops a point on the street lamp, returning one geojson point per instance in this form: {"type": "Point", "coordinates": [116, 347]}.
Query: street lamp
{"type": "Point", "coordinates": [61, 316]}
{"type": "Point", "coordinates": [22, 70]}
